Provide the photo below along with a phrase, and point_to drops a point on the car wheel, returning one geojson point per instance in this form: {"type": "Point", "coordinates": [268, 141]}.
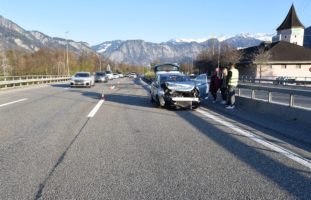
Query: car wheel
{"type": "Point", "coordinates": [151, 99]}
{"type": "Point", "coordinates": [162, 102]}
{"type": "Point", "coordinates": [157, 101]}
{"type": "Point", "coordinates": [195, 106]}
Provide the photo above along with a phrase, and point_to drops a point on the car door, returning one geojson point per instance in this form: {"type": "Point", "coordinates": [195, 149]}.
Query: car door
{"type": "Point", "coordinates": [154, 87]}
{"type": "Point", "coordinates": [202, 84]}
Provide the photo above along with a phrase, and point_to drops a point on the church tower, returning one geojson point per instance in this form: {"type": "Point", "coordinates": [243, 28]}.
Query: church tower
{"type": "Point", "coordinates": [291, 30]}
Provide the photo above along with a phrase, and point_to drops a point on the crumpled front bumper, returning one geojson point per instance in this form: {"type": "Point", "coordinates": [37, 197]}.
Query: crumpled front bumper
{"type": "Point", "coordinates": [183, 99]}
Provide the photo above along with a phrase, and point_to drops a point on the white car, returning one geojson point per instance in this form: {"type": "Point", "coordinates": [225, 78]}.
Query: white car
{"type": "Point", "coordinates": [84, 79]}
{"type": "Point", "coordinates": [116, 75]}
{"type": "Point", "coordinates": [109, 75]}
{"type": "Point", "coordinates": [132, 75]}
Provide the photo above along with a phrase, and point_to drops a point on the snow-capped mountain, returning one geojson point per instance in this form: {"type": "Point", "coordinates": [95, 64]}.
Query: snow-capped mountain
{"type": "Point", "coordinates": [142, 53]}
{"type": "Point", "coordinates": [138, 52]}
{"type": "Point", "coordinates": [258, 36]}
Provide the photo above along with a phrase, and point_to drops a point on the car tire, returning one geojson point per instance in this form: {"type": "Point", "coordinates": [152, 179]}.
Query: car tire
{"type": "Point", "coordinates": [157, 101]}
{"type": "Point", "coordinates": [152, 100]}
{"type": "Point", "coordinates": [195, 106]}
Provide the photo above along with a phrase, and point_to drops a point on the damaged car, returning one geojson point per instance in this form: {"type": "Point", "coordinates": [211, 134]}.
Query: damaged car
{"type": "Point", "coordinates": [171, 88]}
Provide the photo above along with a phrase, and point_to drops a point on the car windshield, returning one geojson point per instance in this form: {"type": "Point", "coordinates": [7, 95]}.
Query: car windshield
{"type": "Point", "coordinates": [82, 75]}
{"type": "Point", "coordinates": [174, 78]}
{"type": "Point", "coordinates": [166, 67]}
{"type": "Point", "coordinates": [100, 74]}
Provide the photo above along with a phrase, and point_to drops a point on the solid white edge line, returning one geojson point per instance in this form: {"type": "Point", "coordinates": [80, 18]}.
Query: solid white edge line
{"type": "Point", "coordinates": [6, 104]}
{"type": "Point", "coordinates": [95, 109]}
{"type": "Point", "coordinates": [289, 154]}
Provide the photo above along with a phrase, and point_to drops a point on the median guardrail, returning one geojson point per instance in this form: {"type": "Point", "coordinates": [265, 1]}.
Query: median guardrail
{"type": "Point", "coordinates": [292, 93]}
{"type": "Point", "coordinates": [19, 81]}
{"type": "Point", "coordinates": [278, 80]}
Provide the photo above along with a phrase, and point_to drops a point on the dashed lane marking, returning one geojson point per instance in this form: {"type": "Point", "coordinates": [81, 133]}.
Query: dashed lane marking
{"type": "Point", "coordinates": [96, 108]}
{"type": "Point", "coordinates": [9, 103]}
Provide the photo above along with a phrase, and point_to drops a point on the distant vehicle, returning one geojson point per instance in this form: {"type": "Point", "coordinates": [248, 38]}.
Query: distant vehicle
{"type": "Point", "coordinates": [101, 77]}
{"type": "Point", "coordinates": [283, 80]}
{"type": "Point", "coordinates": [82, 79]}
{"type": "Point", "coordinates": [116, 75]}
{"type": "Point", "coordinates": [132, 75]}
{"type": "Point", "coordinates": [171, 88]}
{"type": "Point", "coordinates": [109, 75]}
{"type": "Point", "coordinates": [193, 76]}
{"type": "Point", "coordinates": [121, 75]}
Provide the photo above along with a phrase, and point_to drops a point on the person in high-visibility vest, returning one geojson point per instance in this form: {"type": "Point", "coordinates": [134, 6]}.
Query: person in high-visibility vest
{"type": "Point", "coordinates": [232, 81]}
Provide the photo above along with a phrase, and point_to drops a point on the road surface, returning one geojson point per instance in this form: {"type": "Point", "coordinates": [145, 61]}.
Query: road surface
{"type": "Point", "coordinates": [58, 142]}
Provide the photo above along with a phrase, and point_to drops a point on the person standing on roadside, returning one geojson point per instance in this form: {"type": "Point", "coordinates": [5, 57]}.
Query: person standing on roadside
{"type": "Point", "coordinates": [214, 85]}
{"type": "Point", "coordinates": [232, 82]}
{"type": "Point", "coordinates": [223, 85]}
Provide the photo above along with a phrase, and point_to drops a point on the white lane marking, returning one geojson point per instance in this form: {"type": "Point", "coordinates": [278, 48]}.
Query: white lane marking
{"type": "Point", "coordinates": [95, 109]}
{"type": "Point", "coordinates": [289, 154]}
{"type": "Point", "coordinates": [6, 104]}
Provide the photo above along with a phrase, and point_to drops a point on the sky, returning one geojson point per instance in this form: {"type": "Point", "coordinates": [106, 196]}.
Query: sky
{"type": "Point", "coordinates": [97, 21]}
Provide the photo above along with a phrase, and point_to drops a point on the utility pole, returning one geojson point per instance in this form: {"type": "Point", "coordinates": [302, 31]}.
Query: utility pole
{"type": "Point", "coordinates": [188, 71]}
{"type": "Point", "coordinates": [191, 68]}
{"type": "Point", "coordinates": [67, 59]}
{"type": "Point", "coordinates": [218, 58]}
{"type": "Point", "coordinates": [213, 45]}
{"type": "Point", "coordinates": [100, 62]}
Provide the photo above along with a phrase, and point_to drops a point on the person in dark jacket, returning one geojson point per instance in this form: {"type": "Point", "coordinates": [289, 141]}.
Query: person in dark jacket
{"type": "Point", "coordinates": [214, 85]}
{"type": "Point", "coordinates": [224, 85]}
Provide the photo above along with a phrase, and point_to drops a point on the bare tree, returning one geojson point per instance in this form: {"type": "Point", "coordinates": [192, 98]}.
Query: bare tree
{"type": "Point", "coordinates": [207, 61]}
{"type": "Point", "coordinates": [261, 57]}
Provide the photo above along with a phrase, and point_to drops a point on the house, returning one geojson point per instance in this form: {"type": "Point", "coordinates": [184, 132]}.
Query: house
{"type": "Point", "coordinates": [285, 56]}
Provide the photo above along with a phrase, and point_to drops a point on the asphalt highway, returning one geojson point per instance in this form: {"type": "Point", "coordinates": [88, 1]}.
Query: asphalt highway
{"type": "Point", "coordinates": [110, 142]}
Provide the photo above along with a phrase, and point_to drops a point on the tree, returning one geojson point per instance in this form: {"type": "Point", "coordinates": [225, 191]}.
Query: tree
{"type": "Point", "coordinates": [229, 55]}
{"type": "Point", "coordinates": [262, 57]}
{"type": "Point", "coordinates": [208, 60]}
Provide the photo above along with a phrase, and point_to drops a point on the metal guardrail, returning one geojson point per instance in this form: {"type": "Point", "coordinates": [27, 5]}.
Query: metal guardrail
{"type": "Point", "coordinates": [275, 89]}
{"type": "Point", "coordinates": [18, 81]}
{"type": "Point", "coordinates": [278, 80]}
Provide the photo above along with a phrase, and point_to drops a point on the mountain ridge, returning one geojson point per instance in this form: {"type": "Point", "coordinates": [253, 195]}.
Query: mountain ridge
{"type": "Point", "coordinates": [138, 52]}
{"type": "Point", "coordinates": [15, 37]}
{"type": "Point", "coordinates": [143, 52]}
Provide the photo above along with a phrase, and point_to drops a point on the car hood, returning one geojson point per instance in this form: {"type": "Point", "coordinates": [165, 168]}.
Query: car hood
{"type": "Point", "coordinates": [81, 78]}
{"type": "Point", "coordinates": [185, 86]}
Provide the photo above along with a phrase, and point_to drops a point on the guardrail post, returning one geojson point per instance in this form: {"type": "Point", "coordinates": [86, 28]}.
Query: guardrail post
{"type": "Point", "coordinates": [239, 91]}
{"type": "Point", "coordinates": [269, 96]}
{"type": "Point", "coordinates": [5, 81]}
{"type": "Point", "coordinates": [253, 94]}
{"type": "Point", "coordinates": [305, 83]}
{"type": "Point", "coordinates": [291, 100]}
